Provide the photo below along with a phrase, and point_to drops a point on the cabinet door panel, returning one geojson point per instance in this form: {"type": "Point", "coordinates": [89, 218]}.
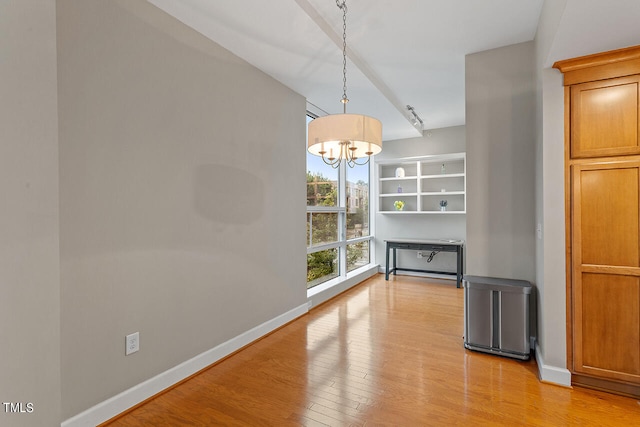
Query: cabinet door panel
{"type": "Point", "coordinates": [605, 118]}
{"type": "Point", "coordinates": [609, 330]}
{"type": "Point", "coordinates": [609, 216]}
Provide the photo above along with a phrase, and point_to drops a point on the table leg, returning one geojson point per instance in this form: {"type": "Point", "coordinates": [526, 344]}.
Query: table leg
{"type": "Point", "coordinates": [460, 264]}
{"type": "Point", "coordinates": [386, 270]}
{"type": "Point", "coordinates": [395, 257]}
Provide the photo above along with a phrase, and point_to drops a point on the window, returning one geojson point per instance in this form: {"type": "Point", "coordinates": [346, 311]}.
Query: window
{"type": "Point", "coordinates": [338, 234]}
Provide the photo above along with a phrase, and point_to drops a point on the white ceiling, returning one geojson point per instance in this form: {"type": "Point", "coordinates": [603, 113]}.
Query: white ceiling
{"type": "Point", "coordinates": [400, 52]}
{"type": "Point", "coordinates": [592, 26]}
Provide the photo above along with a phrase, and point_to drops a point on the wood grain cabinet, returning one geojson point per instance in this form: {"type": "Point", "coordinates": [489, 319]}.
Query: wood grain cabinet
{"type": "Point", "coordinates": [602, 169]}
{"type": "Point", "coordinates": [604, 118]}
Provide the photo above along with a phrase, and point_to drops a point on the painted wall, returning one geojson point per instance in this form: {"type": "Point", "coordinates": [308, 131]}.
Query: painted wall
{"type": "Point", "coordinates": [500, 138]}
{"type": "Point", "coordinates": [29, 255]}
{"type": "Point", "coordinates": [435, 141]}
{"type": "Point", "coordinates": [180, 213]}
{"type": "Point", "coordinates": [550, 210]}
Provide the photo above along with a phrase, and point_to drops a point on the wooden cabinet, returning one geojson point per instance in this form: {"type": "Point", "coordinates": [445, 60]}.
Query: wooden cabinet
{"type": "Point", "coordinates": [423, 184]}
{"type": "Point", "coordinates": [602, 165]}
{"type": "Point", "coordinates": [604, 118]}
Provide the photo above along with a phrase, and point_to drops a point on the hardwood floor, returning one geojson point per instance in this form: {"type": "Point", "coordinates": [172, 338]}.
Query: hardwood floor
{"type": "Point", "coordinates": [383, 353]}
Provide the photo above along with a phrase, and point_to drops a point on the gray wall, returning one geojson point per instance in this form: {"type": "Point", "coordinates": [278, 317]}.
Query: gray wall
{"type": "Point", "coordinates": [435, 141]}
{"type": "Point", "coordinates": [180, 189]}
{"type": "Point", "coordinates": [500, 129]}
{"type": "Point", "coordinates": [550, 210]}
{"type": "Point", "coordinates": [29, 255]}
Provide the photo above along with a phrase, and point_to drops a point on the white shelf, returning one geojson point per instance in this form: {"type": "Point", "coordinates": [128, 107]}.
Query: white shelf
{"type": "Point", "coordinates": [398, 194]}
{"type": "Point", "coordinates": [422, 213]}
{"type": "Point", "coordinates": [406, 178]}
{"type": "Point", "coordinates": [441, 193]}
{"type": "Point", "coordinates": [442, 175]}
{"type": "Point", "coordinates": [422, 186]}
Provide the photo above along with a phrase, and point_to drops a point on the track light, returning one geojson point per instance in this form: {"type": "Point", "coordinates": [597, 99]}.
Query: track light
{"type": "Point", "coordinates": [415, 119]}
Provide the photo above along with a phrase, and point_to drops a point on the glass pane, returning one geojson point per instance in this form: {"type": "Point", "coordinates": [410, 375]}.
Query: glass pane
{"type": "Point", "coordinates": [323, 226]}
{"type": "Point", "coordinates": [322, 181]}
{"type": "Point", "coordinates": [322, 266]}
{"type": "Point", "coordinates": [357, 255]}
{"type": "Point", "coordinates": [358, 201]}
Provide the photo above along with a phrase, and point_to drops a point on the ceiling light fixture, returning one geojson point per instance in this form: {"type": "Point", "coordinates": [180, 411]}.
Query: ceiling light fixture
{"type": "Point", "coordinates": [415, 119]}
{"type": "Point", "coordinates": [347, 137]}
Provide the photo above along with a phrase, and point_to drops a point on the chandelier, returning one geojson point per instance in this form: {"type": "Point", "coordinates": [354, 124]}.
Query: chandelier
{"type": "Point", "coordinates": [345, 137]}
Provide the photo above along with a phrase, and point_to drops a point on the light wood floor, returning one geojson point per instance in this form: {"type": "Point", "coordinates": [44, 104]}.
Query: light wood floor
{"type": "Point", "coordinates": [383, 353]}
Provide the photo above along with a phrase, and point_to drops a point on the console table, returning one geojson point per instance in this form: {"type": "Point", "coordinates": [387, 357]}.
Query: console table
{"type": "Point", "coordinates": [438, 245]}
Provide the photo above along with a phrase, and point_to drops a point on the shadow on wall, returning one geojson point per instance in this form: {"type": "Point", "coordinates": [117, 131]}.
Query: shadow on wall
{"type": "Point", "coordinates": [227, 194]}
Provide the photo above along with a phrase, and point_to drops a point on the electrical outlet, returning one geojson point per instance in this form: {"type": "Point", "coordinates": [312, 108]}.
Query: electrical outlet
{"type": "Point", "coordinates": [132, 343]}
{"type": "Point", "coordinates": [420, 255]}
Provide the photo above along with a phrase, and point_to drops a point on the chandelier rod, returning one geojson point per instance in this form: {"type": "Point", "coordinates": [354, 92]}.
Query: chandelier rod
{"type": "Point", "coordinates": [343, 5]}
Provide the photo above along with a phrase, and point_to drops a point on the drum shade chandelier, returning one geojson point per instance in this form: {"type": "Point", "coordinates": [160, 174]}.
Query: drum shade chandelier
{"type": "Point", "coordinates": [345, 137]}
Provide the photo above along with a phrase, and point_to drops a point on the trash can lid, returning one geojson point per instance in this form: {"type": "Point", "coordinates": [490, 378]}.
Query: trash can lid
{"type": "Point", "coordinates": [497, 284]}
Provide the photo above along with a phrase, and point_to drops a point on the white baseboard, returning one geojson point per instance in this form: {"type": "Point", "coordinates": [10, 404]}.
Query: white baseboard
{"type": "Point", "coordinates": [138, 393]}
{"type": "Point", "coordinates": [324, 292]}
{"type": "Point", "coordinates": [552, 374]}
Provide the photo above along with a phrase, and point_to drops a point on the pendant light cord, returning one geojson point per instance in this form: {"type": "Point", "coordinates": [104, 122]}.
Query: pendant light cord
{"type": "Point", "coordinates": [343, 5]}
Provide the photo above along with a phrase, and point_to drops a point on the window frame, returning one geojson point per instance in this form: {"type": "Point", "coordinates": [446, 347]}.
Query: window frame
{"type": "Point", "coordinates": [342, 242]}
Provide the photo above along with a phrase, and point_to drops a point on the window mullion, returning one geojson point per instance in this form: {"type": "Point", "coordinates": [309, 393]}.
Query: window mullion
{"type": "Point", "coordinates": [342, 221]}
{"type": "Point", "coordinates": [310, 242]}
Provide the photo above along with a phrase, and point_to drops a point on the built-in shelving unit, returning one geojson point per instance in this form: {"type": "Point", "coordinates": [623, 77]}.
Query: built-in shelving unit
{"type": "Point", "coordinates": [422, 183]}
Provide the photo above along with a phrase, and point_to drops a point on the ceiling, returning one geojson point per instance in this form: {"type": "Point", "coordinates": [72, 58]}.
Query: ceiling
{"type": "Point", "coordinates": [400, 52]}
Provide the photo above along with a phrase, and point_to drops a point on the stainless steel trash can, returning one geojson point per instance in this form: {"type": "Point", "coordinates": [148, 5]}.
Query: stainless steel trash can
{"type": "Point", "coordinates": [496, 316]}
